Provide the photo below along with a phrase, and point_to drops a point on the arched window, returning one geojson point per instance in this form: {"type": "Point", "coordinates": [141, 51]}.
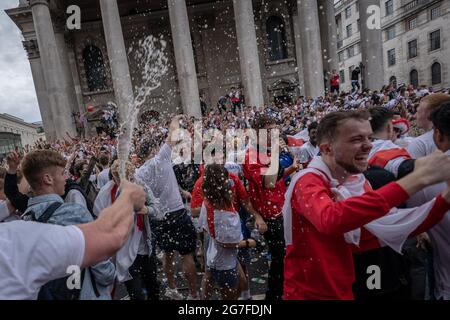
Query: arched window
{"type": "Point", "coordinates": [393, 80]}
{"type": "Point", "coordinates": [276, 38]}
{"type": "Point", "coordinates": [414, 78]}
{"type": "Point", "coordinates": [436, 73]}
{"type": "Point", "coordinates": [95, 68]}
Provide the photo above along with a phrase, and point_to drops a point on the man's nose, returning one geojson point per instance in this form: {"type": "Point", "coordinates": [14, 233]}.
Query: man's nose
{"type": "Point", "coordinates": [367, 144]}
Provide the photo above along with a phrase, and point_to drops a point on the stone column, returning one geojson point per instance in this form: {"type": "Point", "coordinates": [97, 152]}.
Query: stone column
{"type": "Point", "coordinates": [67, 78]}
{"type": "Point", "coordinates": [371, 47]}
{"type": "Point", "coordinates": [328, 30]}
{"type": "Point", "coordinates": [32, 49]}
{"type": "Point", "coordinates": [184, 57]}
{"type": "Point", "coordinates": [59, 102]}
{"type": "Point", "coordinates": [298, 54]}
{"type": "Point", "coordinates": [120, 71]}
{"type": "Point", "coordinates": [248, 52]}
{"type": "Point", "coordinates": [311, 47]}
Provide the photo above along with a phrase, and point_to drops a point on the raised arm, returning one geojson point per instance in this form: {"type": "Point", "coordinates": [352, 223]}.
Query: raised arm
{"type": "Point", "coordinates": [107, 234]}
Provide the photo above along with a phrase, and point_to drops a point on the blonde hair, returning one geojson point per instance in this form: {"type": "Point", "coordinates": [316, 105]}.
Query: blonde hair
{"type": "Point", "coordinates": [115, 169]}
{"type": "Point", "coordinates": [433, 101]}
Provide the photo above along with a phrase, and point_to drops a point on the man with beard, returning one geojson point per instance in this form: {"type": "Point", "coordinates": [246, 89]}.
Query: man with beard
{"type": "Point", "coordinates": [310, 149]}
{"type": "Point", "coordinates": [330, 209]}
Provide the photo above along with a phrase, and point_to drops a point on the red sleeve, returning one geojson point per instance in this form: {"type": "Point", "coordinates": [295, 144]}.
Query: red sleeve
{"type": "Point", "coordinates": [314, 199]}
{"type": "Point", "coordinates": [436, 214]}
{"type": "Point", "coordinates": [197, 194]}
{"type": "Point", "coordinates": [240, 189]}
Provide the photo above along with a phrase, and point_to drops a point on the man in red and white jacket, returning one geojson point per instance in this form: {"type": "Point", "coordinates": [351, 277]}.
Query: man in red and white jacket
{"type": "Point", "coordinates": [385, 153]}
{"type": "Point", "coordinates": [331, 211]}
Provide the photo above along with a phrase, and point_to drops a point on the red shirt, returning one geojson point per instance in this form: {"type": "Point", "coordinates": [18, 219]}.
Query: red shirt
{"type": "Point", "coordinates": [267, 202]}
{"type": "Point", "coordinates": [319, 263]}
{"type": "Point", "coordinates": [239, 192]}
{"type": "Point", "coordinates": [334, 80]}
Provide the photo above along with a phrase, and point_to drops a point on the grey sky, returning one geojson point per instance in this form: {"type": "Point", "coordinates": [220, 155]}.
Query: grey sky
{"type": "Point", "coordinates": [17, 94]}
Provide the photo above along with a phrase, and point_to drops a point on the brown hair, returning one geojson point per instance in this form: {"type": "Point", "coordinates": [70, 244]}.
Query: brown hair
{"type": "Point", "coordinates": [37, 161]}
{"type": "Point", "coordinates": [262, 122]}
{"type": "Point", "coordinates": [433, 101]}
{"type": "Point", "coordinates": [216, 186]}
{"type": "Point", "coordinates": [329, 125]}
{"type": "Point", "coordinates": [103, 160]}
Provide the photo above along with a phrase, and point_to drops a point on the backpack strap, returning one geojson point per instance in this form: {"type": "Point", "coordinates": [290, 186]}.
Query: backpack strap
{"type": "Point", "coordinates": [93, 282]}
{"type": "Point", "coordinates": [47, 213]}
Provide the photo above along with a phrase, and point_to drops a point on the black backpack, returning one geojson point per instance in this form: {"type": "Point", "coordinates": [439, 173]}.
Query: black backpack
{"type": "Point", "coordinates": [72, 185]}
{"type": "Point", "coordinates": [57, 289]}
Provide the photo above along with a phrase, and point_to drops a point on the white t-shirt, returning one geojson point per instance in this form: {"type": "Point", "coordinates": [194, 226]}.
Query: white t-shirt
{"type": "Point", "coordinates": [422, 146]}
{"type": "Point", "coordinates": [440, 241]}
{"type": "Point", "coordinates": [75, 196]}
{"type": "Point", "coordinates": [32, 254]}
{"type": "Point", "coordinates": [4, 211]}
{"type": "Point", "coordinates": [157, 175]}
{"type": "Point", "coordinates": [306, 152]}
{"type": "Point", "coordinates": [227, 227]}
{"type": "Point", "coordinates": [103, 178]}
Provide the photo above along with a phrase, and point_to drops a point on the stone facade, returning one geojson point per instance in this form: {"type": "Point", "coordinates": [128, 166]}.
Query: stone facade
{"type": "Point", "coordinates": [396, 34]}
{"type": "Point", "coordinates": [28, 132]}
{"type": "Point", "coordinates": [62, 77]}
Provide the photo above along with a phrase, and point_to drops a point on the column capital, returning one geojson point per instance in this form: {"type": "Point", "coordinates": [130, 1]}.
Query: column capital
{"type": "Point", "coordinates": [39, 2]}
{"type": "Point", "coordinates": [32, 48]}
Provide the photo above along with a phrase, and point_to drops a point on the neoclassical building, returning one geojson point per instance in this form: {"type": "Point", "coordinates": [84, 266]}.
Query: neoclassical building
{"type": "Point", "coordinates": [273, 49]}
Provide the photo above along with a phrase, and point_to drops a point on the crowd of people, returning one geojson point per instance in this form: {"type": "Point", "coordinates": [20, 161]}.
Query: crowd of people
{"type": "Point", "coordinates": [362, 180]}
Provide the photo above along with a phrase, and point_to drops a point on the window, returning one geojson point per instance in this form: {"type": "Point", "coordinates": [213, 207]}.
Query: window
{"type": "Point", "coordinates": [435, 40]}
{"type": "Point", "coordinates": [412, 23]}
{"type": "Point", "coordinates": [342, 76]}
{"type": "Point", "coordinates": [341, 56]}
{"type": "Point", "coordinates": [276, 38]}
{"type": "Point", "coordinates": [389, 5]}
{"type": "Point", "coordinates": [391, 57]}
{"type": "Point", "coordinates": [436, 73]}
{"type": "Point", "coordinates": [348, 12]}
{"type": "Point", "coordinates": [435, 13]}
{"type": "Point", "coordinates": [390, 33]}
{"type": "Point", "coordinates": [95, 68]}
{"type": "Point", "coordinates": [414, 78]}
{"type": "Point", "coordinates": [349, 30]}
{"type": "Point", "coordinates": [357, 48]}
{"type": "Point", "coordinates": [412, 49]}
{"type": "Point", "coordinates": [351, 51]}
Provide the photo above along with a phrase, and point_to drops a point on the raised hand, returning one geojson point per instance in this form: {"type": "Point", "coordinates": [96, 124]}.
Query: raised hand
{"type": "Point", "coordinates": [13, 161]}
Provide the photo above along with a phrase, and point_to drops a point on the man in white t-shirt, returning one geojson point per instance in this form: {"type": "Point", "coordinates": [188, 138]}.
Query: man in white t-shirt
{"type": "Point", "coordinates": [310, 149]}
{"type": "Point", "coordinates": [424, 145]}
{"type": "Point", "coordinates": [175, 230]}
{"type": "Point", "coordinates": [103, 176]}
{"type": "Point", "coordinates": [47, 251]}
{"type": "Point", "coordinates": [439, 234]}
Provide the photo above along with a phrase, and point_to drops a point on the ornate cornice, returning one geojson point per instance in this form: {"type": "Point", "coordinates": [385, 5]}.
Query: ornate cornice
{"type": "Point", "coordinates": [32, 48]}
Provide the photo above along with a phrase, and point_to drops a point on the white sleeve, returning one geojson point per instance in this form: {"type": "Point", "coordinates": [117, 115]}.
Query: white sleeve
{"type": "Point", "coordinates": [45, 254]}
{"type": "Point", "coordinates": [393, 165]}
{"type": "Point", "coordinates": [165, 154]}
{"type": "Point", "coordinates": [74, 196]}
{"type": "Point", "coordinates": [4, 211]}
{"type": "Point", "coordinates": [417, 149]}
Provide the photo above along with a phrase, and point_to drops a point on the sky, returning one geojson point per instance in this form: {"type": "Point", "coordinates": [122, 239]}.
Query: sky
{"type": "Point", "coordinates": [17, 93]}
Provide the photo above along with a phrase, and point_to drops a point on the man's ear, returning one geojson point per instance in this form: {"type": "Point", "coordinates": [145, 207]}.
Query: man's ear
{"type": "Point", "coordinates": [46, 178]}
{"type": "Point", "coordinates": [325, 148]}
{"type": "Point", "coordinates": [439, 138]}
